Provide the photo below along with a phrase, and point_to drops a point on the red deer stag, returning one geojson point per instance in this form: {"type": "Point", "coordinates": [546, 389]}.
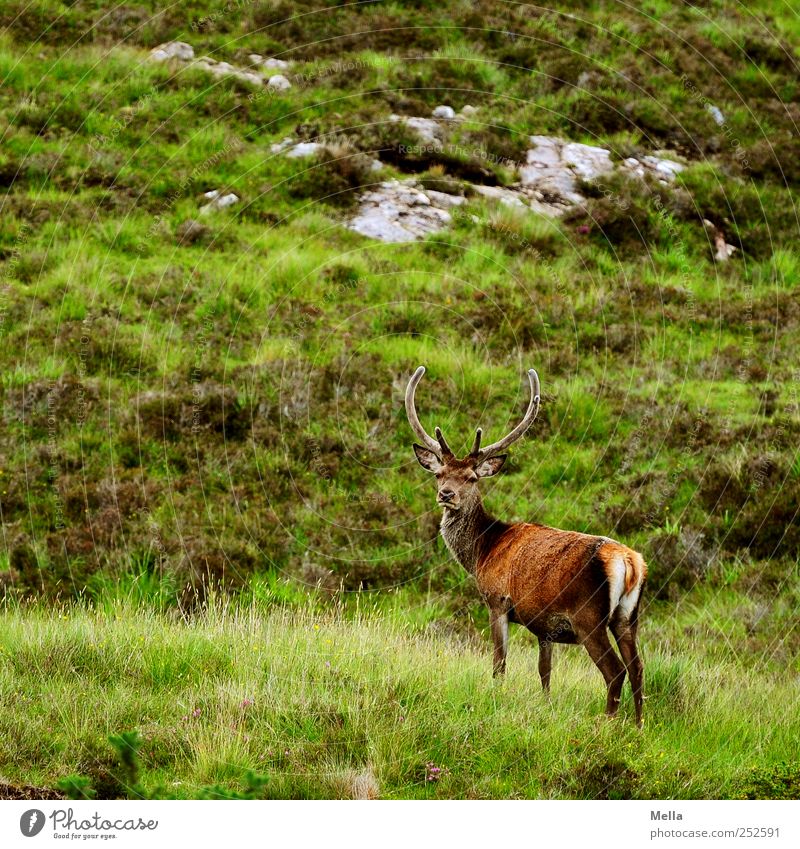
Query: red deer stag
{"type": "Point", "coordinates": [564, 586]}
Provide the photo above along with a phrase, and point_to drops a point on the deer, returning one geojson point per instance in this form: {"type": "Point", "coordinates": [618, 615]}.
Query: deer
{"type": "Point", "coordinates": [563, 586]}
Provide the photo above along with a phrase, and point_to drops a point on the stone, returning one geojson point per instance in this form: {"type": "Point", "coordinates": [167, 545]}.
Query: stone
{"type": "Point", "coordinates": [505, 196]}
{"type": "Point", "coordinates": [276, 64]}
{"type": "Point", "coordinates": [302, 150]}
{"type": "Point", "coordinates": [444, 113]}
{"type": "Point", "coordinates": [173, 50]}
{"type": "Point", "coordinates": [218, 200]}
{"type": "Point", "coordinates": [588, 162]}
{"type": "Point", "coordinates": [278, 82]}
{"type": "Point", "coordinates": [399, 211]}
{"type": "Point", "coordinates": [444, 200]}
{"type": "Point", "coordinates": [427, 129]}
{"type": "Point", "coordinates": [716, 113]}
{"type": "Point", "coordinates": [468, 111]}
{"type": "Point", "coordinates": [280, 146]}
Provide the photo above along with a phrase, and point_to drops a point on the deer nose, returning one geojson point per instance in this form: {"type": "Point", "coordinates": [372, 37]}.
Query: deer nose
{"type": "Point", "coordinates": [446, 494]}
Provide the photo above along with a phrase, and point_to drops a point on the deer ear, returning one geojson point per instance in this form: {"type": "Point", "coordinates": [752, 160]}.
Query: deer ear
{"type": "Point", "coordinates": [427, 459]}
{"type": "Point", "coordinates": [491, 466]}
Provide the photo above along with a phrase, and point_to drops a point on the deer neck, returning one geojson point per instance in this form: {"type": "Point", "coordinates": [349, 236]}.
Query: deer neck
{"type": "Point", "coordinates": [469, 533]}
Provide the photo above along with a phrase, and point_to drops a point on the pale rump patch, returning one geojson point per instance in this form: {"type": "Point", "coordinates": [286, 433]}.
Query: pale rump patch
{"type": "Point", "coordinates": [625, 570]}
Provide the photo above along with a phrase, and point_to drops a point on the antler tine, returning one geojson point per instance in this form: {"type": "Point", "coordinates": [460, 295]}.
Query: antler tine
{"type": "Point", "coordinates": [527, 420]}
{"type": "Point", "coordinates": [441, 440]}
{"type": "Point", "coordinates": [413, 419]}
{"type": "Point", "coordinates": [476, 445]}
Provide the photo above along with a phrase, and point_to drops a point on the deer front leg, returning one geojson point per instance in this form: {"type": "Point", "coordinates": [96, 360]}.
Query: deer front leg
{"type": "Point", "coordinates": [498, 620]}
{"type": "Point", "coordinates": [545, 663]}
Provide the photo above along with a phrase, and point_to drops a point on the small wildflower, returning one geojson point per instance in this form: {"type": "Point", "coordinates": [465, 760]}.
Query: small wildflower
{"type": "Point", "coordinates": [246, 703]}
{"type": "Point", "coordinates": [433, 772]}
{"type": "Point", "coordinates": [583, 229]}
{"type": "Point", "coordinates": [196, 712]}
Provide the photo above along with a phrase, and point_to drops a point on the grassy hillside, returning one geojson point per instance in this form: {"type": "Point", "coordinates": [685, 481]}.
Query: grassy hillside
{"type": "Point", "coordinates": [202, 403]}
{"type": "Point", "coordinates": [319, 706]}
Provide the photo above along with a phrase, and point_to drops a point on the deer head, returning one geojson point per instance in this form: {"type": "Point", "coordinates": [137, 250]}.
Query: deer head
{"type": "Point", "coordinates": [457, 480]}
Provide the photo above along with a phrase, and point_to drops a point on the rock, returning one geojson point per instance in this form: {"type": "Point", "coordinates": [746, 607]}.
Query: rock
{"type": "Point", "coordinates": [185, 53]}
{"type": "Point", "coordinates": [191, 231]}
{"type": "Point", "coordinates": [218, 200]}
{"type": "Point", "coordinates": [468, 111]}
{"type": "Point", "coordinates": [278, 82]}
{"type": "Point", "coordinates": [444, 113]}
{"type": "Point", "coordinates": [303, 150]}
{"type": "Point", "coordinates": [716, 114]}
{"type": "Point", "coordinates": [280, 146]}
{"type": "Point", "coordinates": [173, 50]}
{"type": "Point", "coordinates": [426, 128]}
{"type": "Point", "coordinates": [276, 64]}
{"type": "Point", "coordinates": [444, 200]}
{"type": "Point", "coordinates": [588, 162]}
{"type": "Point", "coordinates": [270, 64]}
{"type": "Point", "coordinates": [505, 196]}
{"type": "Point", "coordinates": [400, 212]}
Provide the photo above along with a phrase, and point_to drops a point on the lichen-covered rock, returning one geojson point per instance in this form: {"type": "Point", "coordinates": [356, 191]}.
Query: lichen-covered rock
{"type": "Point", "coordinates": [399, 211]}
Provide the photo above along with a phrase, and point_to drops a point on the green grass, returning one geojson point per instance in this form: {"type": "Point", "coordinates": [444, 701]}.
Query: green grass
{"type": "Point", "coordinates": [316, 702]}
{"type": "Point", "coordinates": [181, 420]}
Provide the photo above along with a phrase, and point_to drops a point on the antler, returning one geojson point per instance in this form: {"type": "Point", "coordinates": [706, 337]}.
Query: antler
{"type": "Point", "coordinates": [439, 446]}
{"type": "Point", "coordinates": [519, 430]}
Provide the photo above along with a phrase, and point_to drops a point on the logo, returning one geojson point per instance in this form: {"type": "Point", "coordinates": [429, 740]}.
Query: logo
{"type": "Point", "coordinates": [31, 822]}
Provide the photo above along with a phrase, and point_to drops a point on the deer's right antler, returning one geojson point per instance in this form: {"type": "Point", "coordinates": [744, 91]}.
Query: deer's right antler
{"type": "Point", "coordinates": [439, 445]}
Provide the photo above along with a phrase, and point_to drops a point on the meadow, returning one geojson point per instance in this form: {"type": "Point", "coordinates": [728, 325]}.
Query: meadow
{"type": "Point", "coordinates": [255, 702]}
{"type": "Point", "coordinates": [214, 533]}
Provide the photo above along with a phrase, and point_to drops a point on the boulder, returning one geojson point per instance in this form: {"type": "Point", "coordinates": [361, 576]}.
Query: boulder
{"type": "Point", "coordinates": [444, 113]}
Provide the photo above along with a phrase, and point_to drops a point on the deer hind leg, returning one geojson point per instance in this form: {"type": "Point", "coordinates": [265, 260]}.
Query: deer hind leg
{"type": "Point", "coordinates": [624, 632]}
{"type": "Point", "coordinates": [545, 663]}
{"type": "Point", "coordinates": [498, 620]}
{"type": "Point", "coordinates": [598, 645]}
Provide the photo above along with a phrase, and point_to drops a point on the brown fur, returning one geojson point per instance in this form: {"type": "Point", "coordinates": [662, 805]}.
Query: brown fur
{"type": "Point", "coordinates": [563, 586]}
{"type": "Point", "coordinates": [555, 583]}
